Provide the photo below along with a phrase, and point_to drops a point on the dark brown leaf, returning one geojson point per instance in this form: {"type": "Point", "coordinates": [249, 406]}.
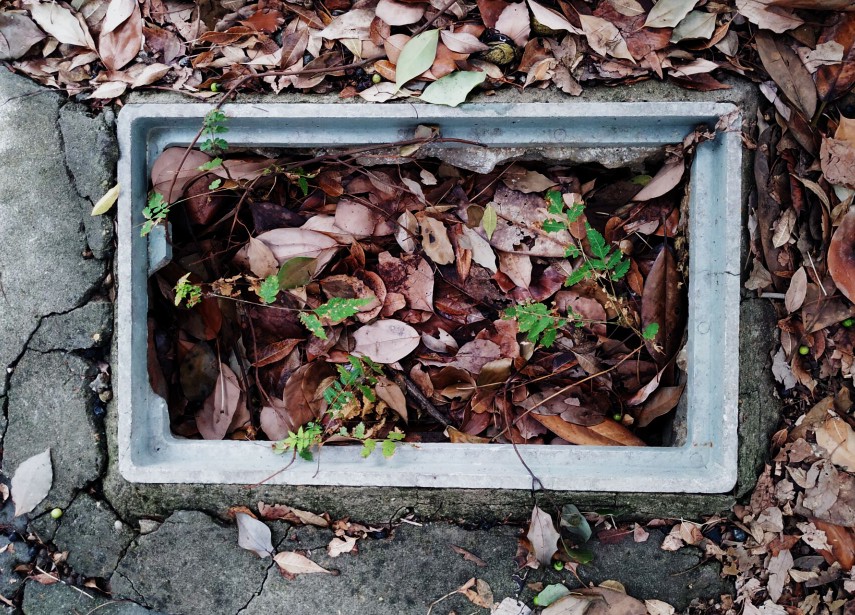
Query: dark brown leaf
{"type": "Point", "coordinates": [787, 70]}
{"type": "Point", "coordinates": [663, 304]}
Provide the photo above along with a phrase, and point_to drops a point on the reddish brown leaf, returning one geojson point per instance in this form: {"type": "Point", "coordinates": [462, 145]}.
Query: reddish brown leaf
{"type": "Point", "coordinates": [835, 80]}
{"type": "Point", "coordinates": [841, 256]}
{"type": "Point", "coordinates": [662, 304]}
{"type": "Point", "coordinates": [121, 45]}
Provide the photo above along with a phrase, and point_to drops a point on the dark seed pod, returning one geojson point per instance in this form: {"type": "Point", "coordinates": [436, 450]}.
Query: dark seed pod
{"type": "Point", "coordinates": [499, 54]}
{"type": "Point", "coordinates": [502, 50]}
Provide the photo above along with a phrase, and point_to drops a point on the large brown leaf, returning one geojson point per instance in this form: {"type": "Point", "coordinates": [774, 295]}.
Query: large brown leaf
{"type": "Point", "coordinates": [841, 256]}
{"type": "Point", "coordinates": [788, 71]}
{"type": "Point", "coordinates": [543, 536]}
{"type": "Point", "coordinates": [663, 304]}
{"type": "Point", "coordinates": [835, 80]}
{"type": "Point", "coordinates": [122, 44]}
{"type": "Point", "coordinates": [299, 401]}
{"type": "Point", "coordinates": [215, 416]}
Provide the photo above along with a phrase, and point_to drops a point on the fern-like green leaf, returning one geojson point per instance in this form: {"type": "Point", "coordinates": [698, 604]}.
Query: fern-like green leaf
{"type": "Point", "coordinates": [311, 322]}
{"type": "Point", "coordinates": [268, 289]}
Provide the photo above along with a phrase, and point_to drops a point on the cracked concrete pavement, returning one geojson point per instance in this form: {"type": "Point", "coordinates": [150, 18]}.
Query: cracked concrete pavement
{"type": "Point", "coordinates": [55, 327]}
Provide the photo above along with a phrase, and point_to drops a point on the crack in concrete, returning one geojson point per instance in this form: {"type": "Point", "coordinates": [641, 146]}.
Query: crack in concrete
{"type": "Point", "coordinates": [142, 599]}
{"type": "Point", "coordinates": [260, 590]}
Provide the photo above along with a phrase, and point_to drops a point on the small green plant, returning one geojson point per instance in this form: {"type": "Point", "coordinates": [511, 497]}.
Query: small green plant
{"type": "Point", "coordinates": [537, 321]}
{"type": "Point", "coordinates": [301, 442]}
{"type": "Point", "coordinates": [650, 332]}
{"type": "Point", "coordinates": [360, 374]}
{"type": "Point", "coordinates": [185, 291]}
{"type": "Point", "coordinates": [388, 445]}
{"type": "Point", "coordinates": [604, 260]}
{"type": "Point", "coordinates": [214, 124]}
{"type": "Point", "coordinates": [335, 310]}
{"type": "Point", "coordinates": [301, 177]}
{"type": "Point", "coordinates": [155, 212]}
{"type": "Point", "coordinates": [268, 289]}
{"type": "Point", "coordinates": [211, 164]}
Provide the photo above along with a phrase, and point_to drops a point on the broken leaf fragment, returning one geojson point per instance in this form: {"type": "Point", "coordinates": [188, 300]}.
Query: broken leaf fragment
{"type": "Point", "coordinates": [106, 202]}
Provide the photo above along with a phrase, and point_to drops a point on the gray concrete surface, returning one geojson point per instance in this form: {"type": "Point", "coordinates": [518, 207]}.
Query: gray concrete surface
{"type": "Point", "coordinates": [50, 267]}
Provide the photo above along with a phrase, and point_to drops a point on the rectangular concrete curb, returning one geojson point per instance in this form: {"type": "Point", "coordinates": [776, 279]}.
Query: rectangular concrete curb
{"type": "Point", "coordinates": [705, 463]}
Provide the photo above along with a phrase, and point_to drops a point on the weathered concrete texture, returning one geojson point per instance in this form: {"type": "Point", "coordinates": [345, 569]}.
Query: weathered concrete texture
{"type": "Point", "coordinates": [11, 555]}
{"type": "Point", "coordinates": [93, 536]}
{"type": "Point", "coordinates": [648, 572]}
{"type": "Point", "coordinates": [86, 327]}
{"type": "Point", "coordinates": [60, 599]}
{"type": "Point", "coordinates": [91, 153]}
{"type": "Point", "coordinates": [42, 239]}
{"type": "Point", "coordinates": [397, 576]}
{"type": "Point", "coordinates": [759, 407]}
{"type": "Point", "coordinates": [190, 565]}
{"type": "Point", "coordinates": [50, 406]}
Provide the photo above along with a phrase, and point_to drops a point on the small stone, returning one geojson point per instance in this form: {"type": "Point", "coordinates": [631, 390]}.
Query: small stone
{"type": "Point", "coordinates": [147, 526]}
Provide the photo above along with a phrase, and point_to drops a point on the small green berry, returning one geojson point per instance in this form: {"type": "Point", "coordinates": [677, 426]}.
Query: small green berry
{"type": "Point", "coordinates": [215, 87]}
{"type": "Point", "coordinates": [559, 565]}
{"type": "Point", "coordinates": [848, 322]}
{"type": "Point", "coordinates": [56, 513]}
{"type": "Point", "coordinates": [375, 78]}
{"type": "Point", "coordinates": [617, 416]}
{"type": "Point", "coordinates": [803, 350]}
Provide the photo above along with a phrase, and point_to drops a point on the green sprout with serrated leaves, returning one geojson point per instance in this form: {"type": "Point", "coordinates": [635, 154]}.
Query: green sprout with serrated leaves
{"type": "Point", "coordinates": [388, 445]}
{"type": "Point", "coordinates": [604, 260]}
{"type": "Point", "coordinates": [650, 332]}
{"type": "Point", "coordinates": [301, 441]}
{"type": "Point", "coordinates": [155, 212]}
{"type": "Point", "coordinates": [188, 292]}
{"type": "Point", "coordinates": [537, 321]}
{"type": "Point", "coordinates": [360, 374]}
{"type": "Point", "coordinates": [335, 310]}
{"type": "Point", "coordinates": [214, 124]}
{"type": "Point", "coordinates": [268, 289]}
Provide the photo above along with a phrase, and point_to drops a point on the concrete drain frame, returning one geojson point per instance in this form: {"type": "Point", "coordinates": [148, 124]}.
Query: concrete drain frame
{"type": "Point", "coordinates": [705, 461]}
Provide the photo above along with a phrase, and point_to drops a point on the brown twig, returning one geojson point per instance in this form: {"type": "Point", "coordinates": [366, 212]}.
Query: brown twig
{"type": "Point", "coordinates": [420, 400]}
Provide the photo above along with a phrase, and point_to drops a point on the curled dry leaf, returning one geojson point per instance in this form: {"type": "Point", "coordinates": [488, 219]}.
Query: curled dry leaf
{"type": "Point", "coordinates": [461, 42]}
{"type": "Point", "coordinates": [295, 563]}
{"type": "Point", "coordinates": [253, 535]}
{"type": "Point", "coordinates": [61, 24]}
{"type": "Point", "coordinates": [550, 18]}
{"type": "Point", "coordinates": [663, 182]}
{"type": "Point", "coordinates": [385, 341]}
{"type": "Point", "coordinates": [31, 482]}
{"type": "Point", "coordinates": [662, 304]}
{"type": "Point", "coordinates": [215, 416]}
{"type": "Point", "coordinates": [515, 23]}
{"type": "Point", "coordinates": [399, 13]}
{"type": "Point", "coordinates": [543, 536]}
{"type": "Point", "coordinates": [435, 240]}
{"type": "Point", "coordinates": [604, 38]}
{"type": "Point", "coordinates": [668, 13]}
{"type": "Point", "coordinates": [291, 515]}
{"type": "Point", "coordinates": [837, 437]}
{"type": "Point", "coordinates": [795, 296]}
{"type": "Point", "coordinates": [340, 546]}
{"type": "Point", "coordinates": [288, 243]}
{"type": "Point", "coordinates": [767, 16]}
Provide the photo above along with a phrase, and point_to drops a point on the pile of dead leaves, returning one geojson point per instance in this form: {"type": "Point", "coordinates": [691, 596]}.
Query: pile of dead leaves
{"type": "Point", "coordinates": [526, 305]}
{"type": "Point", "coordinates": [373, 48]}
